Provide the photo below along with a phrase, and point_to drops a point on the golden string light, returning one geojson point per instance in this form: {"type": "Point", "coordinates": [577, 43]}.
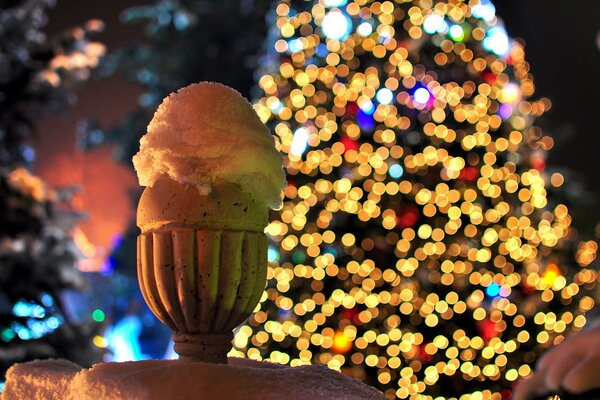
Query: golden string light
{"type": "Point", "coordinates": [419, 247]}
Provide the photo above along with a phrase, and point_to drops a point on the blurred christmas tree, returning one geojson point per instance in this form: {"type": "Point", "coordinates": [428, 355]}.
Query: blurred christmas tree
{"type": "Point", "coordinates": [420, 246]}
{"type": "Point", "coordinates": [37, 250]}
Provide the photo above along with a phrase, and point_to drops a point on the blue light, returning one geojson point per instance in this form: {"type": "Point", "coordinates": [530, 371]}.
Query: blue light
{"type": "Point", "coordinates": [164, 18]}
{"type": "Point", "coordinates": [485, 10]}
{"type": "Point", "coordinates": [457, 33]}
{"type": "Point", "coordinates": [52, 322]}
{"type": "Point", "coordinates": [21, 309]}
{"type": "Point", "coordinates": [181, 21]}
{"type": "Point", "coordinates": [96, 136]}
{"type": "Point", "coordinates": [368, 107]}
{"type": "Point", "coordinates": [496, 41]}
{"type": "Point", "coordinates": [295, 45]}
{"type": "Point", "coordinates": [493, 290]}
{"type": "Point", "coordinates": [24, 309]}
{"type": "Point", "coordinates": [24, 334]}
{"type": "Point", "coordinates": [2, 384]}
{"type": "Point", "coordinates": [28, 153]}
{"type": "Point", "coordinates": [335, 3]}
{"type": "Point", "coordinates": [422, 95]}
{"type": "Point", "coordinates": [322, 50]}
{"type": "Point", "coordinates": [331, 250]}
{"type": "Point", "coordinates": [123, 339]}
{"type": "Point", "coordinates": [272, 255]}
{"type": "Point", "coordinates": [336, 25]}
{"type": "Point", "coordinates": [37, 311]}
{"type": "Point", "coordinates": [47, 300]}
{"type": "Point", "coordinates": [299, 142]}
{"type": "Point", "coordinates": [365, 120]}
{"type": "Point", "coordinates": [146, 100]}
{"type": "Point", "coordinates": [384, 96]}
{"type": "Point", "coordinates": [107, 266]}
{"type": "Point", "coordinates": [396, 171]}
{"type": "Point", "coordinates": [432, 23]}
{"type": "Point", "coordinates": [170, 353]}
{"type": "Point", "coordinates": [144, 76]}
{"type": "Point", "coordinates": [38, 328]}
{"type": "Point", "coordinates": [364, 29]}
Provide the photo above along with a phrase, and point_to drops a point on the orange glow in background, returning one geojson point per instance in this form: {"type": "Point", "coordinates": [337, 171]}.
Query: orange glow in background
{"type": "Point", "coordinates": [104, 198]}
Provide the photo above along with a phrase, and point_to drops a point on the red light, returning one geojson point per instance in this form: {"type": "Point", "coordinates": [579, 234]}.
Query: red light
{"type": "Point", "coordinates": [349, 144]}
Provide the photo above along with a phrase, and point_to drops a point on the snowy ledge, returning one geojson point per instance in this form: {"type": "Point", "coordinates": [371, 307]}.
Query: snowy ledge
{"type": "Point", "coordinates": [177, 379]}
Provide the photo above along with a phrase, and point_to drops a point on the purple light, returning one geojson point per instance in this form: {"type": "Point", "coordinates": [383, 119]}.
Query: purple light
{"type": "Point", "coordinates": [107, 266]}
{"type": "Point", "coordinates": [505, 111]}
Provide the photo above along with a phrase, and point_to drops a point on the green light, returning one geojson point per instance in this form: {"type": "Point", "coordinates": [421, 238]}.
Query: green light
{"type": "Point", "coordinates": [298, 257]}
{"type": "Point", "coordinates": [98, 315]}
{"type": "Point", "coordinates": [7, 335]}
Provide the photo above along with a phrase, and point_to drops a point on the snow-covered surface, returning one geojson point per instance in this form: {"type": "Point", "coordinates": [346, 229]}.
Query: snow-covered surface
{"type": "Point", "coordinates": [206, 132]}
{"type": "Point", "coordinates": [179, 380]}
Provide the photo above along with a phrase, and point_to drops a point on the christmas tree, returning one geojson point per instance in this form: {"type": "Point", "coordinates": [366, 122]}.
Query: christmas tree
{"type": "Point", "coordinates": [37, 250]}
{"type": "Point", "coordinates": [421, 246]}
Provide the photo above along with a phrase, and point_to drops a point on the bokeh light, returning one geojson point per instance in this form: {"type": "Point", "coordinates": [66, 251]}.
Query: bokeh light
{"type": "Point", "coordinates": [432, 23]}
{"type": "Point", "coordinates": [484, 10]}
{"type": "Point", "coordinates": [423, 245]}
{"type": "Point", "coordinates": [299, 142]}
{"type": "Point", "coordinates": [422, 95]}
{"type": "Point", "coordinates": [336, 25]}
{"type": "Point", "coordinates": [496, 40]}
{"type": "Point", "coordinates": [457, 33]}
{"type": "Point", "coordinates": [364, 29]}
{"type": "Point", "coordinates": [335, 3]}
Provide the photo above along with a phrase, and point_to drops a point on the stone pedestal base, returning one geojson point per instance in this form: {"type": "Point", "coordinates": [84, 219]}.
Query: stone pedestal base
{"type": "Point", "coordinates": [205, 347]}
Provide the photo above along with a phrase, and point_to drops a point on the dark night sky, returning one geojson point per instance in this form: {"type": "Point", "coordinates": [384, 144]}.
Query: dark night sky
{"type": "Point", "coordinates": [561, 46]}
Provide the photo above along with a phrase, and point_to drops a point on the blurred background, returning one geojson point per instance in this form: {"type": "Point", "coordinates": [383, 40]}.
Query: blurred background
{"type": "Point", "coordinates": [562, 48]}
{"type": "Point", "coordinates": [78, 137]}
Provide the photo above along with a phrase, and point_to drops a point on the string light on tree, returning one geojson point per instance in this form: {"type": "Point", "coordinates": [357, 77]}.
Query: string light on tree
{"type": "Point", "coordinates": [433, 23]}
{"type": "Point", "coordinates": [341, 343]}
{"type": "Point", "coordinates": [419, 227]}
{"type": "Point", "coordinates": [457, 33]}
{"type": "Point", "coordinates": [364, 29]}
{"type": "Point", "coordinates": [551, 274]}
{"type": "Point", "coordinates": [336, 25]}
{"type": "Point", "coordinates": [335, 3]}
{"type": "Point", "coordinates": [384, 96]}
{"type": "Point", "coordinates": [422, 95]}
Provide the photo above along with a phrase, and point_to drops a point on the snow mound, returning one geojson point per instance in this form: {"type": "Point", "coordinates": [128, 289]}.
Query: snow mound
{"type": "Point", "coordinates": [181, 380]}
